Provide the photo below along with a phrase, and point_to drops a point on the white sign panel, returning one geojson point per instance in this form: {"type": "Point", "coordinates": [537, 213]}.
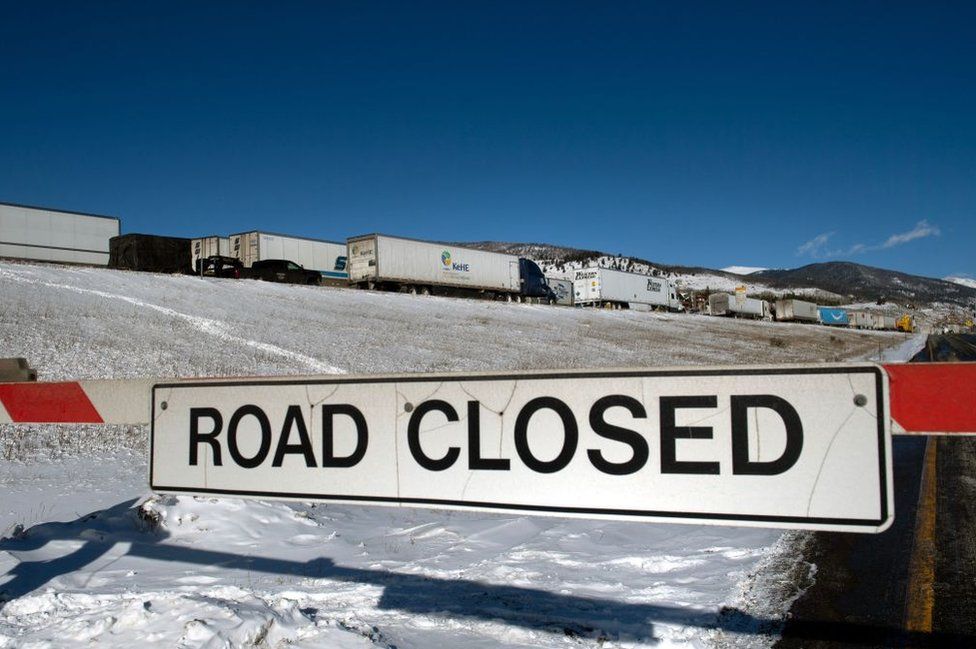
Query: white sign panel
{"type": "Point", "coordinates": [798, 447]}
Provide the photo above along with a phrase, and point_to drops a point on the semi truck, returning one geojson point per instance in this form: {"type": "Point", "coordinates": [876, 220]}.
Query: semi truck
{"type": "Point", "coordinates": [212, 246]}
{"type": "Point", "coordinates": [796, 311]}
{"type": "Point", "coordinates": [605, 287]}
{"type": "Point", "coordinates": [383, 262]}
{"type": "Point", "coordinates": [738, 305]}
{"type": "Point", "coordinates": [834, 317]}
{"type": "Point", "coordinates": [326, 257]}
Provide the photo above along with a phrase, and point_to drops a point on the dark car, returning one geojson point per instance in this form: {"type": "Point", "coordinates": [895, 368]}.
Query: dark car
{"type": "Point", "coordinates": [282, 270]}
{"type": "Point", "coordinates": [220, 266]}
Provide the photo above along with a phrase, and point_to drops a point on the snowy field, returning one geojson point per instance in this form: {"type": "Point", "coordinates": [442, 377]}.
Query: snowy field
{"type": "Point", "coordinates": [88, 557]}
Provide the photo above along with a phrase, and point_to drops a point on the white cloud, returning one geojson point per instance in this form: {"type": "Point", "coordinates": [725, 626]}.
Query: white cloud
{"type": "Point", "coordinates": [814, 247]}
{"type": "Point", "coordinates": [921, 230]}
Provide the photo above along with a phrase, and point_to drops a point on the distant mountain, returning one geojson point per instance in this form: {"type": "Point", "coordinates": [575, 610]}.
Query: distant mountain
{"type": "Point", "coordinates": [841, 280]}
{"type": "Point", "coordinates": [868, 283]}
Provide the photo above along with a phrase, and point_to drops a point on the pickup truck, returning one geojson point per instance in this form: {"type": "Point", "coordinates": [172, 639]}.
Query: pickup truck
{"type": "Point", "coordinates": [219, 266]}
{"type": "Point", "coordinates": [282, 270]}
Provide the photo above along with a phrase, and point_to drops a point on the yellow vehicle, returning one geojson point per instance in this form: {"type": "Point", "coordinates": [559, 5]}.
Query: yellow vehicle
{"type": "Point", "coordinates": [906, 324]}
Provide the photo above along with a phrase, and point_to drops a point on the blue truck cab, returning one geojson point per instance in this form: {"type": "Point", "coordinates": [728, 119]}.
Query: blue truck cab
{"type": "Point", "coordinates": [534, 283]}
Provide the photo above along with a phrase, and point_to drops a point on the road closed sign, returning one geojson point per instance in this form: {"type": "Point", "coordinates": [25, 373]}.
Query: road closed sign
{"type": "Point", "coordinates": [792, 447]}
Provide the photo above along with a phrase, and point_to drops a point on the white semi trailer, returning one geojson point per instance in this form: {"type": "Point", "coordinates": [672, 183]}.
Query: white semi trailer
{"type": "Point", "coordinates": [378, 261]}
{"type": "Point", "coordinates": [42, 234]}
{"type": "Point", "coordinates": [615, 288]}
{"type": "Point", "coordinates": [327, 257]}
{"type": "Point", "coordinates": [208, 247]}
{"type": "Point", "coordinates": [738, 305]}
{"type": "Point", "coordinates": [796, 311]}
{"type": "Point", "coordinates": [886, 322]}
{"type": "Point", "coordinates": [862, 320]}
{"type": "Point", "coordinates": [563, 290]}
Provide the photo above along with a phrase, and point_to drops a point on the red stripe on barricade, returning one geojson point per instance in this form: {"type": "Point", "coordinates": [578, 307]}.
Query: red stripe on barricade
{"type": "Point", "coordinates": [924, 397]}
{"type": "Point", "coordinates": [48, 403]}
{"type": "Point", "coordinates": [933, 397]}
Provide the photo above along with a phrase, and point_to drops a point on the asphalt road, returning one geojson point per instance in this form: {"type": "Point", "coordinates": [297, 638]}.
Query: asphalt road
{"type": "Point", "coordinates": [872, 590]}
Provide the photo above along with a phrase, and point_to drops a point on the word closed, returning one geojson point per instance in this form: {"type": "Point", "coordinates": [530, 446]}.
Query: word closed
{"type": "Point", "coordinates": [785, 447]}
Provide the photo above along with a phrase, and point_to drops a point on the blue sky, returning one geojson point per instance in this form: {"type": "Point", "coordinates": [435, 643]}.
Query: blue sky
{"type": "Point", "coordinates": [768, 134]}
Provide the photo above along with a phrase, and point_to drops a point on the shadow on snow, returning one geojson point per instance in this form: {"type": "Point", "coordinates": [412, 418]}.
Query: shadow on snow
{"type": "Point", "coordinates": [98, 533]}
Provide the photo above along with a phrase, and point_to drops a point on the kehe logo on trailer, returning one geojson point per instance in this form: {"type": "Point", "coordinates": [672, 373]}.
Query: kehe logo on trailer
{"type": "Point", "coordinates": [449, 264]}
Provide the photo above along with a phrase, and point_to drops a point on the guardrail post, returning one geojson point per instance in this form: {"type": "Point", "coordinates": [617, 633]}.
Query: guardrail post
{"type": "Point", "coordinates": [16, 370]}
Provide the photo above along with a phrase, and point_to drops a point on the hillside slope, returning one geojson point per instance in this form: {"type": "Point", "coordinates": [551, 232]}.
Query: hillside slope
{"type": "Point", "coordinates": [868, 283]}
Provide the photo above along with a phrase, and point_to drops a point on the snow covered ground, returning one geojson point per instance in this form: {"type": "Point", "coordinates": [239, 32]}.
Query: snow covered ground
{"type": "Point", "coordinates": [88, 558]}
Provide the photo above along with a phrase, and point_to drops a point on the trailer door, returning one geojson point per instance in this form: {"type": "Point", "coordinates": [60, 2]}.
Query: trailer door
{"type": "Point", "coordinates": [515, 275]}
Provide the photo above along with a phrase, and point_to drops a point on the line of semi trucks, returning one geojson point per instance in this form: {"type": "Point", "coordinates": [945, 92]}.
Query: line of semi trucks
{"type": "Point", "coordinates": [382, 262]}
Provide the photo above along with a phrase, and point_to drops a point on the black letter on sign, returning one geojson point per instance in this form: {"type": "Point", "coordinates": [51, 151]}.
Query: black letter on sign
{"type": "Point", "coordinates": [475, 461]}
{"type": "Point", "coordinates": [235, 452]}
{"type": "Point", "coordinates": [670, 433]}
{"type": "Point", "coordinates": [328, 435]}
{"type": "Point", "coordinates": [304, 445]}
{"type": "Point", "coordinates": [210, 438]}
{"type": "Point", "coordinates": [413, 435]}
{"type": "Point", "coordinates": [740, 435]}
{"type": "Point", "coordinates": [630, 437]}
{"type": "Point", "coordinates": [570, 434]}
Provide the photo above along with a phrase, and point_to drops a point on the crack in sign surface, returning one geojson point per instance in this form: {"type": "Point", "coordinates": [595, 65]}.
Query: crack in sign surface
{"type": "Point", "coordinates": [308, 395]}
{"type": "Point", "coordinates": [400, 395]}
{"type": "Point", "coordinates": [826, 455]}
{"type": "Point", "coordinates": [501, 426]}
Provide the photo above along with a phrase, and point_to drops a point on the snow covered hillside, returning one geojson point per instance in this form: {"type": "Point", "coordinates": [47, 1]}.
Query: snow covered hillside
{"type": "Point", "coordinates": [743, 270]}
{"type": "Point", "coordinates": [89, 558]}
{"type": "Point", "coordinates": [700, 280]}
{"type": "Point", "coordinates": [962, 281]}
{"type": "Point", "coordinates": [562, 262]}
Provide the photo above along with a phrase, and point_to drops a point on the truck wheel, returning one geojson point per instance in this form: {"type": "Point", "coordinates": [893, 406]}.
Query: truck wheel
{"type": "Point", "coordinates": [412, 290]}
